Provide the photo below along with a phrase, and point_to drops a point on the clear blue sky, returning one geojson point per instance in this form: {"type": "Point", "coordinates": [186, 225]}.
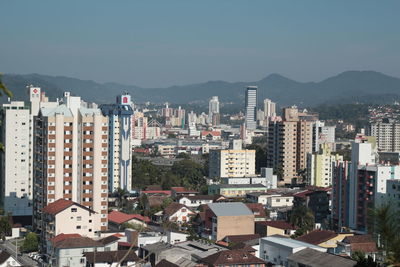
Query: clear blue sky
{"type": "Point", "coordinates": [161, 43]}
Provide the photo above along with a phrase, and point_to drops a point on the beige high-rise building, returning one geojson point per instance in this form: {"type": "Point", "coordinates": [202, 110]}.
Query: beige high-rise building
{"type": "Point", "coordinates": [289, 141]}
{"type": "Point", "coordinates": [70, 147]}
{"type": "Point", "coordinates": [235, 162]}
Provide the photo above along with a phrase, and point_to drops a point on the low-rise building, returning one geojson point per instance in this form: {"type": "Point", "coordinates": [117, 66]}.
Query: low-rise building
{"type": "Point", "coordinates": [222, 219]}
{"type": "Point", "coordinates": [176, 212]}
{"type": "Point", "coordinates": [8, 260]}
{"type": "Point", "coordinates": [324, 238]}
{"type": "Point", "coordinates": [277, 249]}
{"type": "Point", "coordinates": [69, 251]}
{"type": "Point", "coordinates": [235, 190]}
{"type": "Point", "coordinates": [313, 258]}
{"type": "Point", "coordinates": [196, 201]}
{"type": "Point", "coordinates": [111, 258]}
{"type": "Point", "coordinates": [269, 228]}
{"type": "Point", "coordinates": [233, 258]}
{"type": "Point", "coordinates": [81, 220]}
{"type": "Point", "coordinates": [363, 243]}
{"type": "Point", "coordinates": [116, 219]}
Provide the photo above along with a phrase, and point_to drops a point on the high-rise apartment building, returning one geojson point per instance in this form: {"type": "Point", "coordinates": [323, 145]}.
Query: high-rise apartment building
{"type": "Point", "coordinates": [213, 111]}
{"type": "Point", "coordinates": [119, 143]}
{"type": "Point", "coordinates": [16, 160]}
{"type": "Point", "coordinates": [269, 108]}
{"type": "Point", "coordinates": [320, 166]}
{"type": "Point", "coordinates": [70, 158]}
{"type": "Point", "coordinates": [251, 107]}
{"type": "Point", "coordinates": [289, 142]}
{"type": "Point", "coordinates": [387, 135]}
{"type": "Point", "coordinates": [233, 162]}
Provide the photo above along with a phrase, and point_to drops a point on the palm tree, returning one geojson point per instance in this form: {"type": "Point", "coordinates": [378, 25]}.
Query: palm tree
{"type": "Point", "coordinates": [120, 194]}
{"type": "Point", "coordinates": [303, 218]}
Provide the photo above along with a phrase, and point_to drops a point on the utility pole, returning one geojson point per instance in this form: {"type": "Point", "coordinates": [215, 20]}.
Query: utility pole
{"type": "Point", "coordinates": [16, 249]}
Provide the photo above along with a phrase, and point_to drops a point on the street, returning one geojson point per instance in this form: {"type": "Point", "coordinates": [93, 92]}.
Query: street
{"type": "Point", "coordinates": [24, 259]}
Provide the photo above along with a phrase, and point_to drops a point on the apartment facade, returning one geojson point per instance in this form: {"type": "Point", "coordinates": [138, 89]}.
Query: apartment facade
{"type": "Point", "coordinates": [70, 150]}
{"type": "Point", "coordinates": [387, 135]}
{"type": "Point", "coordinates": [119, 143]}
{"type": "Point", "coordinates": [289, 142]}
{"type": "Point", "coordinates": [16, 164]}
{"type": "Point", "coordinates": [232, 163]}
{"type": "Point", "coordinates": [320, 166]}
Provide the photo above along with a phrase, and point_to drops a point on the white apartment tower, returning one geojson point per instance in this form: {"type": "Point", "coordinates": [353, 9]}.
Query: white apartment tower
{"type": "Point", "coordinates": [387, 135]}
{"type": "Point", "coordinates": [251, 107]}
{"type": "Point", "coordinates": [269, 108]}
{"type": "Point", "coordinates": [70, 158]}
{"type": "Point", "coordinates": [16, 161]}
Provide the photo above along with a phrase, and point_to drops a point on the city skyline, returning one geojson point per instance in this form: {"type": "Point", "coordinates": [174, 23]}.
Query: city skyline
{"type": "Point", "coordinates": [152, 45]}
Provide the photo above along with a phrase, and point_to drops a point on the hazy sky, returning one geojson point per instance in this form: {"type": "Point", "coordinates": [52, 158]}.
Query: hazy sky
{"type": "Point", "coordinates": [161, 43]}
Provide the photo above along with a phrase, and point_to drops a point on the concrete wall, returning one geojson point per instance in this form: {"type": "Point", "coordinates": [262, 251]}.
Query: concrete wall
{"type": "Point", "coordinates": [234, 225]}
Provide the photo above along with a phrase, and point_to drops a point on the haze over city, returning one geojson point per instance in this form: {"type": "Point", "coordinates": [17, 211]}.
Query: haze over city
{"type": "Point", "coordinates": [163, 43]}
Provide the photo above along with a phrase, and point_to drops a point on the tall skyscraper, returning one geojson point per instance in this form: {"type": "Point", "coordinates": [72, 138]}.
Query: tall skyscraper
{"type": "Point", "coordinates": [70, 158]}
{"type": "Point", "coordinates": [251, 107]}
{"type": "Point", "coordinates": [213, 111]}
{"type": "Point", "coordinates": [119, 143]}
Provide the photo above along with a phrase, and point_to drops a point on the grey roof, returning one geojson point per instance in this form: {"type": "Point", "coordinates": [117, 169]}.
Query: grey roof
{"type": "Point", "coordinates": [61, 109]}
{"type": "Point", "coordinates": [291, 243]}
{"type": "Point", "coordinates": [313, 258]}
{"type": "Point", "coordinates": [200, 249]}
{"type": "Point", "coordinates": [157, 247]}
{"type": "Point", "coordinates": [89, 111]}
{"type": "Point", "coordinates": [241, 186]}
{"type": "Point", "coordinates": [230, 209]}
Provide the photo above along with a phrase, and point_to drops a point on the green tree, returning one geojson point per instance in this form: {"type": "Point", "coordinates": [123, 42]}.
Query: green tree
{"type": "Point", "coordinates": [121, 195]}
{"type": "Point", "coordinates": [183, 155]}
{"type": "Point", "coordinates": [303, 218]}
{"type": "Point", "coordinates": [5, 226]}
{"type": "Point", "coordinates": [31, 243]}
{"type": "Point", "coordinates": [363, 260]}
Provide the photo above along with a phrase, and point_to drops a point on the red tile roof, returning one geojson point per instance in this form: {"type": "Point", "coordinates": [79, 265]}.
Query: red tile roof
{"type": "Point", "coordinates": [182, 190]}
{"type": "Point", "coordinates": [120, 217]}
{"type": "Point", "coordinates": [317, 236]}
{"type": "Point", "coordinates": [214, 133]}
{"type": "Point", "coordinates": [62, 237]}
{"type": "Point", "coordinates": [77, 242]}
{"type": "Point", "coordinates": [278, 224]}
{"type": "Point", "coordinates": [364, 243]}
{"type": "Point", "coordinates": [257, 209]}
{"type": "Point", "coordinates": [60, 205]}
{"type": "Point", "coordinates": [164, 192]}
{"type": "Point", "coordinates": [172, 208]}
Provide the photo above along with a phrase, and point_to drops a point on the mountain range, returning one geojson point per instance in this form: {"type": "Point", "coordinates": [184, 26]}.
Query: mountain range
{"type": "Point", "coordinates": [346, 87]}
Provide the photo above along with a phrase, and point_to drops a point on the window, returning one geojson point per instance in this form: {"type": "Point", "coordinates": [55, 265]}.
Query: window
{"type": "Point", "coordinates": [79, 218]}
{"type": "Point", "coordinates": [73, 210]}
{"type": "Point", "coordinates": [78, 227]}
{"type": "Point", "coordinates": [82, 260]}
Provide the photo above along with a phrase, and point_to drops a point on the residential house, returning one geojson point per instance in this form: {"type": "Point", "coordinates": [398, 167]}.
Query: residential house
{"type": "Point", "coordinates": [8, 260]}
{"type": "Point", "coordinates": [222, 219]}
{"type": "Point", "coordinates": [317, 199]}
{"type": "Point", "coordinates": [363, 243]}
{"type": "Point", "coordinates": [269, 228]}
{"type": "Point", "coordinates": [111, 258]}
{"type": "Point", "coordinates": [116, 219]}
{"type": "Point", "coordinates": [196, 201]}
{"type": "Point", "coordinates": [81, 220]}
{"type": "Point", "coordinates": [276, 249]}
{"type": "Point", "coordinates": [69, 251]}
{"type": "Point", "coordinates": [156, 252]}
{"type": "Point", "coordinates": [258, 211]}
{"type": "Point", "coordinates": [176, 212]}
{"type": "Point", "coordinates": [313, 258]}
{"type": "Point", "coordinates": [233, 258]}
{"type": "Point", "coordinates": [110, 242]}
{"type": "Point", "coordinates": [324, 238]}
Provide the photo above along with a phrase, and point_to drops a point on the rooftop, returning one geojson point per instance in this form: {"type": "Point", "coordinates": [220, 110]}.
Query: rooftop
{"type": "Point", "coordinates": [317, 236]}
{"type": "Point", "coordinates": [111, 256]}
{"type": "Point", "coordinates": [60, 205]}
{"type": "Point", "coordinates": [241, 186]}
{"type": "Point", "coordinates": [313, 258]}
{"type": "Point", "coordinates": [230, 209]}
{"type": "Point", "coordinates": [120, 217]}
{"type": "Point", "coordinates": [288, 242]}
{"type": "Point", "coordinates": [230, 257]}
{"type": "Point", "coordinates": [278, 224]}
{"type": "Point", "coordinates": [77, 242]}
